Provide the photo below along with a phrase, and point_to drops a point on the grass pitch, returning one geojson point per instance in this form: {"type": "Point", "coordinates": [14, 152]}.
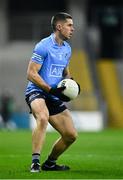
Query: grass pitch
{"type": "Point", "coordinates": [95, 155]}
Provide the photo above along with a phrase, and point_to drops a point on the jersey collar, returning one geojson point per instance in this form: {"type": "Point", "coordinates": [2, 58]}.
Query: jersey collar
{"type": "Point", "coordinates": [54, 41]}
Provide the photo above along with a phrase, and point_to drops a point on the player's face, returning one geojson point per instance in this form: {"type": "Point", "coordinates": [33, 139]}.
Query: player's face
{"type": "Point", "coordinates": [66, 29]}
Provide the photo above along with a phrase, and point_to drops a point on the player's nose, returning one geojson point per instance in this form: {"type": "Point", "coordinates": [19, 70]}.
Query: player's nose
{"type": "Point", "coordinates": [73, 29]}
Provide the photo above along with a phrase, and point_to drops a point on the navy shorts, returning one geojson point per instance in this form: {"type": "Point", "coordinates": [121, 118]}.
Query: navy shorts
{"type": "Point", "coordinates": [54, 106]}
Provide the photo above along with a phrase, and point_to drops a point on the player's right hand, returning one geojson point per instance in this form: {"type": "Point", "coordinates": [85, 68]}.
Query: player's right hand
{"type": "Point", "coordinates": [77, 84]}
{"type": "Point", "coordinates": [58, 93]}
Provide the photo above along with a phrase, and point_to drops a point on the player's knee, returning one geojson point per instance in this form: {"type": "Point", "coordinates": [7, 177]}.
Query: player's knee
{"type": "Point", "coordinates": [42, 120]}
{"type": "Point", "coordinates": [71, 137]}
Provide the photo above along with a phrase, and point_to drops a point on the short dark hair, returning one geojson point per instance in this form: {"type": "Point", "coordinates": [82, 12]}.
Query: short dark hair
{"type": "Point", "coordinates": [59, 16]}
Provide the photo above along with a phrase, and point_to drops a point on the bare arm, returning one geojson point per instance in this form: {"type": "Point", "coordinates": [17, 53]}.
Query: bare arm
{"type": "Point", "coordinates": [33, 76]}
{"type": "Point", "coordinates": [66, 73]}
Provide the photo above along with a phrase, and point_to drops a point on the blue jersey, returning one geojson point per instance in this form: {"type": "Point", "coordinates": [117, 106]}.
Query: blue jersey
{"type": "Point", "coordinates": [53, 59]}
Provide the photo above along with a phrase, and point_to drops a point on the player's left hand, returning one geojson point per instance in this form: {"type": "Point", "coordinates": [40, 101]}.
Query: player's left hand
{"type": "Point", "coordinates": [58, 93]}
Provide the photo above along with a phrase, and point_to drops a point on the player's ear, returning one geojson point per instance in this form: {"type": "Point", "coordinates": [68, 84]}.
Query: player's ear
{"type": "Point", "coordinates": [58, 26]}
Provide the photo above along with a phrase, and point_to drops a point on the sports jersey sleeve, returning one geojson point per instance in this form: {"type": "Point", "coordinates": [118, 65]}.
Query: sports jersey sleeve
{"type": "Point", "coordinates": [69, 56]}
{"type": "Point", "coordinates": [39, 53]}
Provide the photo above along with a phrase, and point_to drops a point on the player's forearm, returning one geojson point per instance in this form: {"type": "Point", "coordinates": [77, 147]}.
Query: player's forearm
{"type": "Point", "coordinates": [67, 76]}
{"type": "Point", "coordinates": [36, 79]}
{"type": "Point", "coordinates": [66, 73]}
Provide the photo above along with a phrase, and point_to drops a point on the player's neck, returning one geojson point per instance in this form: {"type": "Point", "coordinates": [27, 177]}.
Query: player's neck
{"type": "Point", "coordinates": [58, 39]}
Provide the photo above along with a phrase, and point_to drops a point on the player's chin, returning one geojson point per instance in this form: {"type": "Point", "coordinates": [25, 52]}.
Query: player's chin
{"type": "Point", "coordinates": [68, 37]}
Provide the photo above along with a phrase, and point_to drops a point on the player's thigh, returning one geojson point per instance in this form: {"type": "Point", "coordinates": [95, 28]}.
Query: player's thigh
{"type": "Point", "coordinates": [39, 109]}
{"type": "Point", "coordinates": [63, 123]}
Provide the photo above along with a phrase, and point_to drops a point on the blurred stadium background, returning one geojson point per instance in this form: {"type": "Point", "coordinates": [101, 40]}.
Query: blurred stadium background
{"type": "Point", "coordinates": [96, 63]}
